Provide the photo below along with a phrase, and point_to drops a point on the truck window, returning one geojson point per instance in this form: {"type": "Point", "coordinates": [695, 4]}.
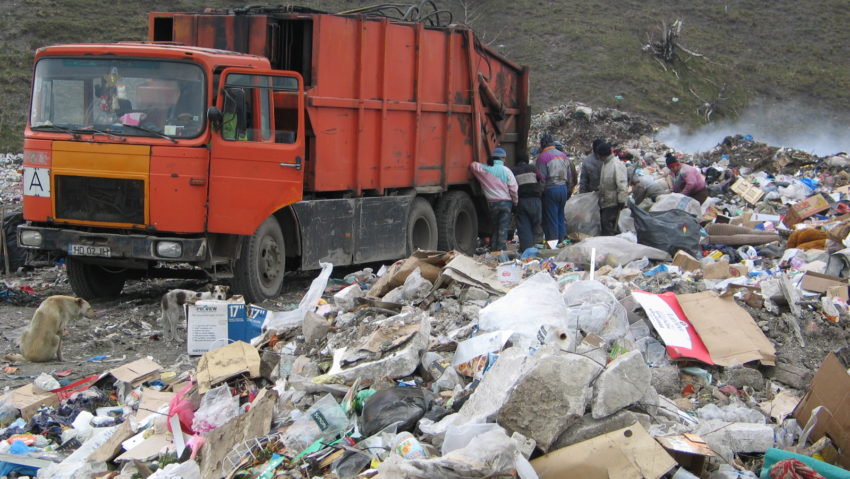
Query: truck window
{"type": "Point", "coordinates": [260, 108]}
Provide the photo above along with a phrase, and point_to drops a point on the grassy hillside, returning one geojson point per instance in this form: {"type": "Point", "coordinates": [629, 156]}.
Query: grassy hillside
{"type": "Point", "coordinates": [584, 50]}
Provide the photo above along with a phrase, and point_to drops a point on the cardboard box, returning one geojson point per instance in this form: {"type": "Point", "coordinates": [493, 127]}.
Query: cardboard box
{"type": "Point", "coordinates": [28, 399]}
{"type": "Point", "coordinates": [215, 323]}
{"type": "Point", "coordinates": [716, 270]}
{"type": "Point", "coordinates": [838, 292]}
{"type": "Point", "coordinates": [686, 262]}
{"type": "Point", "coordinates": [748, 191]}
{"type": "Point", "coordinates": [802, 210]}
{"type": "Point", "coordinates": [831, 389]}
{"type": "Point", "coordinates": [628, 453]}
{"type": "Point", "coordinates": [226, 362]}
{"type": "Point", "coordinates": [820, 283]}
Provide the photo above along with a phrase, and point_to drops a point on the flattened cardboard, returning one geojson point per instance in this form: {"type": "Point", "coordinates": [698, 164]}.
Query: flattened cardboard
{"type": "Point", "coordinates": [686, 262]}
{"type": "Point", "coordinates": [108, 450]}
{"type": "Point", "coordinates": [151, 401]}
{"type": "Point", "coordinates": [26, 400]}
{"type": "Point", "coordinates": [136, 372]}
{"type": "Point", "coordinates": [149, 449]}
{"type": "Point", "coordinates": [668, 319]}
{"type": "Point", "coordinates": [830, 388]}
{"type": "Point", "coordinates": [466, 270]}
{"type": "Point", "coordinates": [802, 210]}
{"type": "Point", "coordinates": [728, 331]}
{"type": "Point", "coordinates": [226, 362]}
{"type": "Point", "coordinates": [820, 283]}
{"type": "Point", "coordinates": [717, 270]}
{"type": "Point", "coordinates": [629, 453]}
{"type": "Point", "coordinates": [748, 191]}
{"type": "Point", "coordinates": [838, 292]}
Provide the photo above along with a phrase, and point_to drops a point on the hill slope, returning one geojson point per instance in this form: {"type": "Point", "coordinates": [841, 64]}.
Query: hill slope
{"type": "Point", "coordinates": [584, 50]}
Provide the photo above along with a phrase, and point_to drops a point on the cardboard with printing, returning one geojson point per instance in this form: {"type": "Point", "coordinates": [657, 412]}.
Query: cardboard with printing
{"type": "Point", "coordinates": [728, 331]}
{"type": "Point", "coordinates": [209, 323]}
{"type": "Point", "coordinates": [830, 388]}
{"type": "Point", "coordinates": [802, 210]}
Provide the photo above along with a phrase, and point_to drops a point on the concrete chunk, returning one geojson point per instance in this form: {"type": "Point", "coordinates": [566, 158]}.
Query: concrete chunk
{"type": "Point", "coordinates": [314, 327]}
{"type": "Point", "coordinates": [547, 400]}
{"type": "Point", "coordinates": [588, 428]}
{"type": "Point", "coordinates": [623, 382]}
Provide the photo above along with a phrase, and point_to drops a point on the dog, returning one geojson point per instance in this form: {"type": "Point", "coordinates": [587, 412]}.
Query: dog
{"type": "Point", "coordinates": [42, 340]}
{"type": "Point", "coordinates": [174, 303]}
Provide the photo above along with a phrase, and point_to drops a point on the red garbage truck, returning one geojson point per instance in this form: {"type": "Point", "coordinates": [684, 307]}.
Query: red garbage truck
{"type": "Point", "coordinates": [243, 144]}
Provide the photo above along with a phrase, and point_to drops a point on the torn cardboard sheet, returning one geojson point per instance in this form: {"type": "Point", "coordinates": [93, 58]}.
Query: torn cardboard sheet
{"type": "Point", "coordinates": [781, 406]}
{"type": "Point", "coordinates": [226, 362]}
{"type": "Point", "coordinates": [728, 331]}
{"type": "Point", "coordinates": [27, 400]}
{"type": "Point", "coordinates": [430, 264]}
{"type": "Point", "coordinates": [672, 325]}
{"type": "Point", "coordinates": [151, 401]}
{"type": "Point", "coordinates": [147, 450]}
{"type": "Point", "coordinates": [831, 389]}
{"type": "Point", "coordinates": [136, 372]}
{"type": "Point", "coordinates": [628, 453]}
{"type": "Point", "coordinates": [466, 270]}
{"type": "Point", "coordinates": [215, 459]}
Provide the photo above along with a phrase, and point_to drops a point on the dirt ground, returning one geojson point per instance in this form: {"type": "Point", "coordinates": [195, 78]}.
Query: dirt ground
{"type": "Point", "coordinates": [124, 329]}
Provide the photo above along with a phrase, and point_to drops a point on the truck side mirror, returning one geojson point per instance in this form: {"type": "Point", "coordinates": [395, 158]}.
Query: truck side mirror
{"type": "Point", "coordinates": [215, 117]}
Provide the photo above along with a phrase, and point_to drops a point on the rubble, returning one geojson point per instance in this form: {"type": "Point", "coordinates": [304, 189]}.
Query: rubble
{"type": "Point", "coordinates": [701, 330]}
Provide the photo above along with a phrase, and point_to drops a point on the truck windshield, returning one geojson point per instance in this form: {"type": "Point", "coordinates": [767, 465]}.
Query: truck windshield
{"type": "Point", "coordinates": [132, 97]}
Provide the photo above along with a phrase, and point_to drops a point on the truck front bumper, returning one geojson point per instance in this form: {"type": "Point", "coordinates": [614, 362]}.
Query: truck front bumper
{"type": "Point", "coordinates": [105, 246]}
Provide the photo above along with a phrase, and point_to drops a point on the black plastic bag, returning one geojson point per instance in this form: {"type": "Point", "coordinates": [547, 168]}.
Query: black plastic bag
{"type": "Point", "coordinates": [402, 405]}
{"type": "Point", "coordinates": [670, 230]}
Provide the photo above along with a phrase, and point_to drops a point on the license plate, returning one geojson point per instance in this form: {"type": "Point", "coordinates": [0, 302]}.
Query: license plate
{"type": "Point", "coordinates": [86, 250]}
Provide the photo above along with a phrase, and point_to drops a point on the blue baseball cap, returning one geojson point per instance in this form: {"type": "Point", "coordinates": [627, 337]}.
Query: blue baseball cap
{"type": "Point", "coordinates": [499, 153]}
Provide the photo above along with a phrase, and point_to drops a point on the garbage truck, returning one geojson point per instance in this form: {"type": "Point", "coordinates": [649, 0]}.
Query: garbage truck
{"type": "Point", "coordinates": [243, 144]}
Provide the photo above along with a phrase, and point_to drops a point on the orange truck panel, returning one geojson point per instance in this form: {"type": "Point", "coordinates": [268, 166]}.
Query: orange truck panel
{"type": "Point", "coordinates": [179, 179]}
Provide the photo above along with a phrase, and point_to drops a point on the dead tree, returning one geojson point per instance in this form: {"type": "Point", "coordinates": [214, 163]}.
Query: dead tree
{"type": "Point", "coordinates": [664, 49]}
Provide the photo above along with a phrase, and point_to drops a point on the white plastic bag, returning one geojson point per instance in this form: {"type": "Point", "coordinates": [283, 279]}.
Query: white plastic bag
{"type": "Point", "coordinates": [415, 286]}
{"type": "Point", "coordinates": [625, 222]}
{"type": "Point", "coordinates": [283, 320]}
{"type": "Point", "coordinates": [324, 420]}
{"type": "Point", "coordinates": [185, 470]}
{"type": "Point", "coordinates": [534, 303]}
{"type": "Point", "coordinates": [677, 201]}
{"type": "Point", "coordinates": [46, 382]}
{"type": "Point", "coordinates": [217, 408]}
{"type": "Point", "coordinates": [610, 250]}
{"type": "Point", "coordinates": [592, 308]}
{"type": "Point", "coordinates": [582, 214]}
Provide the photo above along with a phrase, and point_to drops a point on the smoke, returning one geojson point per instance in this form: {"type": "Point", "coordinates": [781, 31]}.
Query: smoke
{"type": "Point", "coordinates": [790, 124]}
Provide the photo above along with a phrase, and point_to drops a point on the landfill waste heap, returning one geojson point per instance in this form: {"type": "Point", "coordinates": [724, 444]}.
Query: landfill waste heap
{"type": "Point", "coordinates": [703, 341]}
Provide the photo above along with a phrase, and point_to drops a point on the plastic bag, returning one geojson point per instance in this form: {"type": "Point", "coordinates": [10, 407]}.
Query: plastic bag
{"type": "Point", "coordinates": [582, 214]}
{"type": "Point", "coordinates": [676, 201]}
{"type": "Point", "coordinates": [625, 221]}
{"type": "Point", "coordinates": [668, 231]}
{"type": "Point", "coordinates": [610, 250]}
{"type": "Point", "coordinates": [324, 420]}
{"type": "Point", "coordinates": [181, 405]}
{"type": "Point", "coordinates": [458, 437]}
{"type": "Point", "coordinates": [592, 308]}
{"type": "Point", "coordinates": [185, 470]}
{"type": "Point", "coordinates": [415, 286]}
{"type": "Point", "coordinates": [539, 294]}
{"type": "Point", "coordinates": [217, 408]}
{"type": "Point", "coordinates": [46, 382]}
{"type": "Point", "coordinates": [292, 319]}
{"type": "Point", "coordinates": [399, 405]}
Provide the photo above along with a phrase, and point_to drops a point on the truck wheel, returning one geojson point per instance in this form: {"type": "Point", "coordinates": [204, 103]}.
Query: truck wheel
{"type": "Point", "coordinates": [17, 255]}
{"type": "Point", "coordinates": [457, 223]}
{"type": "Point", "coordinates": [258, 274]}
{"type": "Point", "coordinates": [91, 281]}
{"type": "Point", "coordinates": [421, 226]}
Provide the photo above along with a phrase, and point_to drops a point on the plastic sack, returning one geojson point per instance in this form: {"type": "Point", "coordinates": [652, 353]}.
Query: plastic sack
{"type": "Point", "coordinates": [415, 286]}
{"type": "Point", "coordinates": [538, 294]}
{"type": "Point", "coordinates": [625, 221]}
{"type": "Point", "coordinates": [76, 466]}
{"type": "Point", "coordinates": [676, 201]}
{"type": "Point", "coordinates": [669, 231]}
{"type": "Point", "coordinates": [46, 382]}
{"type": "Point", "coordinates": [182, 407]}
{"type": "Point", "coordinates": [283, 320]}
{"type": "Point", "coordinates": [592, 308]}
{"type": "Point", "coordinates": [324, 420]}
{"type": "Point", "coordinates": [458, 437]}
{"type": "Point", "coordinates": [403, 406]}
{"type": "Point", "coordinates": [610, 250]}
{"type": "Point", "coordinates": [218, 407]}
{"type": "Point", "coordinates": [796, 191]}
{"type": "Point", "coordinates": [582, 214]}
{"type": "Point", "coordinates": [184, 470]}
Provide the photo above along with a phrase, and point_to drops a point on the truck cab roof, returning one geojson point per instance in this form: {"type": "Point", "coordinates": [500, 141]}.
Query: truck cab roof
{"type": "Point", "coordinates": [210, 56]}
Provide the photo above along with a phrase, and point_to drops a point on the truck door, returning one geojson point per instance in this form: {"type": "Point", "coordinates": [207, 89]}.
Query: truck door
{"type": "Point", "coordinates": [256, 162]}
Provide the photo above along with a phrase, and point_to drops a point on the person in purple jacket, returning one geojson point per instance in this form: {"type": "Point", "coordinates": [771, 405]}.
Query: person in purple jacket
{"type": "Point", "coordinates": [687, 179]}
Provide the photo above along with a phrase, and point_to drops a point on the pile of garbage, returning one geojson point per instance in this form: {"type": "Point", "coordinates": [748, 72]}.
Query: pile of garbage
{"type": "Point", "coordinates": [11, 175]}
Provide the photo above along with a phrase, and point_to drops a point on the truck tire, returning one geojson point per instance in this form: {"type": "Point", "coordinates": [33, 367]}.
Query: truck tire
{"type": "Point", "coordinates": [258, 274]}
{"type": "Point", "coordinates": [421, 226]}
{"type": "Point", "coordinates": [91, 281]}
{"type": "Point", "coordinates": [457, 223]}
{"type": "Point", "coordinates": [17, 255]}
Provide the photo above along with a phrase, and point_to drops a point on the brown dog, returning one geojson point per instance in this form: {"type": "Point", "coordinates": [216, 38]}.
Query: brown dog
{"type": "Point", "coordinates": [42, 340]}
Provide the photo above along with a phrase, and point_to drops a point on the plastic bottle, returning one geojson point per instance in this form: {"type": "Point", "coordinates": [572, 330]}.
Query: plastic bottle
{"type": "Point", "coordinates": [408, 447]}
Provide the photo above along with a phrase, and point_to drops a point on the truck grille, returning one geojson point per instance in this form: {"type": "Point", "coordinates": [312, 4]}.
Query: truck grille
{"type": "Point", "coordinates": [100, 199]}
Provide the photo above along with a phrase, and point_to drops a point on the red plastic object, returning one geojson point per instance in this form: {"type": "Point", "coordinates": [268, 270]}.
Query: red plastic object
{"type": "Point", "coordinates": [65, 392]}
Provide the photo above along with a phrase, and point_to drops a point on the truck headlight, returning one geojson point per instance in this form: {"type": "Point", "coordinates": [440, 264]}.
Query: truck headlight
{"type": "Point", "coordinates": [169, 249]}
{"type": "Point", "coordinates": [30, 238]}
